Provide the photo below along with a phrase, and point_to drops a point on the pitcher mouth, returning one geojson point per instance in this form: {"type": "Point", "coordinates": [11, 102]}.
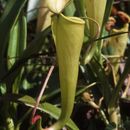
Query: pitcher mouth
{"type": "Point", "coordinates": [71, 19]}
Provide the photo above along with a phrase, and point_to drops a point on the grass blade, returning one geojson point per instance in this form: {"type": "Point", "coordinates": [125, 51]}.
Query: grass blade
{"type": "Point", "coordinates": [7, 21]}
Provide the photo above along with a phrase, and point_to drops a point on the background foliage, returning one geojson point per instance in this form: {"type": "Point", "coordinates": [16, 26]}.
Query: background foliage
{"type": "Point", "coordinates": [27, 51]}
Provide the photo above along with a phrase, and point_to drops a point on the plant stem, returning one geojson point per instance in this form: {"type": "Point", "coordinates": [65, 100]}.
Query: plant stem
{"type": "Point", "coordinates": [42, 90]}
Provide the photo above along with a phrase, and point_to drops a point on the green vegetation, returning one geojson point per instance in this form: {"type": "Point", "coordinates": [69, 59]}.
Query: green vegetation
{"type": "Point", "coordinates": [64, 63]}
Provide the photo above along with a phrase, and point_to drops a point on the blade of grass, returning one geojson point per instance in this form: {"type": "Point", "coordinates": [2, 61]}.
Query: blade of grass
{"type": "Point", "coordinates": [31, 50]}
{"type": "Point", "coordinates": [7, 21]}
{"type": "Point", "coordinates": [83, 89]}
{"type": "Point", "coordinates": [105, 87]}
{"type": "Point", "coordinates": [107, 11]}
{"type": "Point", "coordinates": [105, 19]}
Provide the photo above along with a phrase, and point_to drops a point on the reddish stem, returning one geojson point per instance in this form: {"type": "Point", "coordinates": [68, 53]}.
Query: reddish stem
{"type": "Point", "coordinates": [42, 91]}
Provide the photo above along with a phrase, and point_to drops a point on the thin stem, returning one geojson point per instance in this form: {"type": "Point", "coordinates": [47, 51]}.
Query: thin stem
{"type": "Point", "coordinates": [42, 90]}
{"type": "Point", "coordinates": [50, 95]}
{"type": "Point", "coordinates": [85, 88]}
{"type": "Point", "coordinates": [98, 27]}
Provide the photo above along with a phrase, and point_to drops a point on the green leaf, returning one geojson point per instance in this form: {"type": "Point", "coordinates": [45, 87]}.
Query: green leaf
{"type": "Point", "coordinates": [31, 50]}
{"type": "Point", "coordinates": [79, 5]}
{"type": "Point", "coordinates": [105, 87]}
{"type": "Point", "coordinates": [55, 112]}
{"type": "Point", "coordinates": [70, 9]}
{"type": "Point", "coordinates": [83, 89]}
{"type": "Point", "coordinates": [7, 21]}
{"type": "Point", "coordinates": [2, 88]}
{"type": "Point", "coordinates": [107, 10]}
{"type": "Point", "coordinates": [17, 44]}
{"type": "Point", "coordinates": [48, 108]}
{"type": "Point", "coordinates": [88, 55]}
{"type": "Point", "coordinates": [17, 40]}
{"type": "Point", "coordinates": [12, 47]}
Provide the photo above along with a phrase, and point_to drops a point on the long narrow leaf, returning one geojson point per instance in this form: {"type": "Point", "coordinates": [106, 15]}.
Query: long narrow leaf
{"type": "Point", "coordinates": [8, 19]}
{"type": "Point", "coordinates": [32, 49]}
{"type": "Point", "coordinates": [105, 19]}
{"type": "Point", "coordinates": [107, 10]}
{"type": "Point", "coordinates": [105, 87]}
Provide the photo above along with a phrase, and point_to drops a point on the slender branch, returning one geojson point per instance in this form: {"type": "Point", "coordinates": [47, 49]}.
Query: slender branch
{"type": "Point", "coordinates": [98, 27]}
{"type": "Point", "coordinates": [42, 90]}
